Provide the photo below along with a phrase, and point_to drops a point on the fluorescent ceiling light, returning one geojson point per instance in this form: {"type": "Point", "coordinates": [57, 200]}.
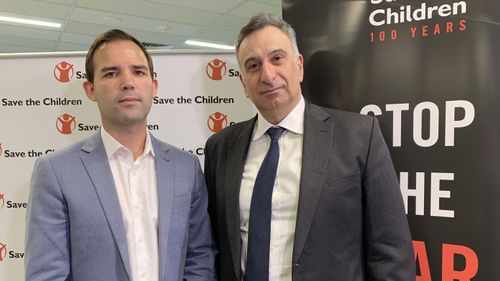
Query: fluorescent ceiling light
{"type": "Point", "coordinates": [208, 44]}
{"type": "Point", "coordinates": [30, 22]}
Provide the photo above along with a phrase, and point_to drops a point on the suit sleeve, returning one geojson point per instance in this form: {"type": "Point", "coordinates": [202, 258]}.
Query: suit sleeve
{"type": "Point", "coordinates": [47, 227]}
{"type": "Point", "coordinates": [201, 248]}
{"type": "Point", "coordinates": [389, 252]}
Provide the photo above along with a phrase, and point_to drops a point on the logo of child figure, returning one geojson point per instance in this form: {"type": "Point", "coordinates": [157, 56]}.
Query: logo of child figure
{"type": "Point", "coordinates": [65, 124]}
{"type": "Point", "coordinates": [216, 122]}
{"type": "Point", "coordinates": [63, 72]}
{"type": "Point", "coordinates": [216, 69]}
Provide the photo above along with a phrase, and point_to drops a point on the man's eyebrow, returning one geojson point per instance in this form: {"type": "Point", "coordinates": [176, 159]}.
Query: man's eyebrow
{"type": "Point", "coordinates": [270, 54]}
{"type": "Point", "coordinates": [114, 68]}
{"type": "Point", "coordinates": [139, 66]}
{"type": "Point", "coordinates": [277, 51]}
{"type": "Point", "coordinates": [108, 68]}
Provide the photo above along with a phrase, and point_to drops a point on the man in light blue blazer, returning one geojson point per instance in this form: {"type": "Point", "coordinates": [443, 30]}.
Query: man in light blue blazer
{"type": "Point", "coordinates": [119, 205]}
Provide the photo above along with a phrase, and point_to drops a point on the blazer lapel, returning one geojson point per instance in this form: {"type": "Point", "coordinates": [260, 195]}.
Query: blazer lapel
{"type": "Point", "coordinates": [237, 149]}
{"type": "Point", "coordinates": [317, 146]}
{"type": "Point", "coordinates": [165, 183]}
{"type": "Point", "coordinates": [96, 163]}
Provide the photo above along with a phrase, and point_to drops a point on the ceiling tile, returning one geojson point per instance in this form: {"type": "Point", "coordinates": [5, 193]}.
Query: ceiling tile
{"type": "Point", "coordinates": [72, 47]}
{"type": "Point", "coordinates": [128, 22]}
{"type": "Point", "coordinates": [217, 36]}
{"type": "Point", "coordinates": [90, 31]}
{"type": "Point", "coordinates": [48, 45]}
{"type": "Point", "coordinates": [228, 22]}
{"type": "Point", "coordinates": [276, 3]}
{"type": "Point", "coordinates": [250, 8]}
{"type": "Point", "coordinates": [76, 38]}
{"type": "Point", "coordinates": [84, 28]}
{"type": "Point", "coordinates": [62, 2]}
{"type": "Point", "coordinates": [218, 6]}
{"type": "Point", "coordinates": [5, 48]}
{"type": "Point", "coordinates": [150, 10]}
{"type": "Point", "coordinates": [35, 8]}
{"type": "Point", "coordinates": [26, 32]}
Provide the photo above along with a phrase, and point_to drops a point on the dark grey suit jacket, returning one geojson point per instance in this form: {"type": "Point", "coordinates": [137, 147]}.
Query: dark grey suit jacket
{"type": "Point", "coordinates": [351, 223]}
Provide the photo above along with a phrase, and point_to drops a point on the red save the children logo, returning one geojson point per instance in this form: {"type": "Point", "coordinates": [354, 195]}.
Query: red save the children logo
{"type": "Point", "coordinates": [65, 124]}
{"type": "Point", "coordinates": [216, 122]}
{"type": "Point", "coordinates": [63, 71]}
{"type": "Point", "coordinates": [216, 69]}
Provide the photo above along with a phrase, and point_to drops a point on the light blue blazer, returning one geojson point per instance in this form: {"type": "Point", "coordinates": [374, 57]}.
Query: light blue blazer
{"type": "Point", "coordinates": [75, 229]}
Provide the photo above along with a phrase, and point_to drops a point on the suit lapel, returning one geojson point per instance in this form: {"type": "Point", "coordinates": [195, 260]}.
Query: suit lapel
{"type": "Point", "coordinates": [165, 183]}
{"type": "Point", "coordinates": [96, 163]}
{"type": "Point", "coordinates": [318, 138]}
{"type": "Point", "coordinates": [237, 149]}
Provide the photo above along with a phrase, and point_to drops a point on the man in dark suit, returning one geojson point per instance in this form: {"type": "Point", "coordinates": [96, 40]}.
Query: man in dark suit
{"type": "Point", "coordinates": [334, 211]}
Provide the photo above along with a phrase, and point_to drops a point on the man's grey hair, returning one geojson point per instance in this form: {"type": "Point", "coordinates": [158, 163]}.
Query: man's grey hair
{"type": "Point", "coordinates": [262, 20]}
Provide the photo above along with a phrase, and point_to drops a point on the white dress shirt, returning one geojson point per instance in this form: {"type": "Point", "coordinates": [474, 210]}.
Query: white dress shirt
{"type": "Point", "coordinates": [136, 186]}
{"type": "Point", "coordinates": [285, 196]}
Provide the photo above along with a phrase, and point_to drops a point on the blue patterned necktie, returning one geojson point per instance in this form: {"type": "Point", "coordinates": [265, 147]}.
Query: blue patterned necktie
{"type": "Point", "coordinates": [259, 231]}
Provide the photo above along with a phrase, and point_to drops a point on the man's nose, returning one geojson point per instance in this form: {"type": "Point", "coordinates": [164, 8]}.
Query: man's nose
{"type": "Point", "coordinates": [268, 73]}
{"type": "Point", "coordinates": [127, 82]}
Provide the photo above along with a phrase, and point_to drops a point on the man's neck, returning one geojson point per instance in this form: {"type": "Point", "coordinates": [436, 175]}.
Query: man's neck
{"type": "Point", "coordinates": [133, 137]}
{"type": "Point", "coordinates": [275, 116]}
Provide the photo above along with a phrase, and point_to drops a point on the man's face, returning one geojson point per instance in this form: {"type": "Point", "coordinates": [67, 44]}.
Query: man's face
{"type": "Point", "coordinates": [123, 87]}
{"type": "Point", "coordinates": [271, 72]}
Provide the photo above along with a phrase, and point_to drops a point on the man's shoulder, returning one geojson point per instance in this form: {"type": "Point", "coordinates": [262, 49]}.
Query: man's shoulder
{"type": "Point", "coordinates": [63, 158]}
{"type": "Point", "coordinates": [67, 152]}
{"type": "Point", "coordinates": [341, 117]}
{"type": "Point", "coordinates": [161, 147]}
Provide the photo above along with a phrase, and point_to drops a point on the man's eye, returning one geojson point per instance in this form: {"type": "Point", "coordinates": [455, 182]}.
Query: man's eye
{"type": "Point", "coordinates": [253, 67]}
{"type": "Point", "coordinates": [140, 72]}
{"type": "Point", "coordinates": [110, 74]}
{"type": "Point", "coordinates": [278, 59]}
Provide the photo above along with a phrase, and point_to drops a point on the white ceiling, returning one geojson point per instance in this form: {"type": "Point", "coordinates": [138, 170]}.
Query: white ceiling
{"type": "Point", "coordinates": [168, 22]}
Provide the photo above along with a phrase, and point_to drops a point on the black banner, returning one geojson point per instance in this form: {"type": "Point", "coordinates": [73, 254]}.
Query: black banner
{"type": "Point", "coordinates": [430, 72]}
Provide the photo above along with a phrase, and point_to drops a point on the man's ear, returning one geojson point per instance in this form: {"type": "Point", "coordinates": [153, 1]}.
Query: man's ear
{"type": "Point", "coordinates": [300, 64]}
{"type": "Point", "coordinates": [155, 87]}
{"type": "Point", "coordinates": [89, 90]}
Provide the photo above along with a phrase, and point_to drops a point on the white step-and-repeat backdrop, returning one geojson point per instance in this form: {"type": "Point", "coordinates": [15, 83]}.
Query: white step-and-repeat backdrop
{"type": "Point", "coordinates": [43, 108]}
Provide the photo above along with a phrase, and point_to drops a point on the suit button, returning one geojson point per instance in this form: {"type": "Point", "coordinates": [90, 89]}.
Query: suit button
{"type": "Point", "coordinates": [296, 264]}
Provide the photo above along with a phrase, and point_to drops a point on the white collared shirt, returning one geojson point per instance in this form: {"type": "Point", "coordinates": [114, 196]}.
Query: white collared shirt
{"type": "Point", "coordinates": [285, 193]}
{"type": "Point", "coordinates": [136, 186]}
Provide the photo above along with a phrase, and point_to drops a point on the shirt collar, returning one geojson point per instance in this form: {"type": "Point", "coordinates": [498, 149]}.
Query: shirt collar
{"type": "Point", "coordinates": [112, 146]}
{"type": "Point", "coordinates": [293, 122]}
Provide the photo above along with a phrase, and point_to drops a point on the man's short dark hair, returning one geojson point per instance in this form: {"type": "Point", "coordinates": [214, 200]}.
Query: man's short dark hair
{"type": "Point", "coordinates": [262, 20]}
{"type": "Point", "coordinates": [109, 36]}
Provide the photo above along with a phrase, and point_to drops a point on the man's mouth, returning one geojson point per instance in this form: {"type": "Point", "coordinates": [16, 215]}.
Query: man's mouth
{"type": "Point", "coordinates": [271, 90]}
{"type": "Point", "coordinates": [129, 100]}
